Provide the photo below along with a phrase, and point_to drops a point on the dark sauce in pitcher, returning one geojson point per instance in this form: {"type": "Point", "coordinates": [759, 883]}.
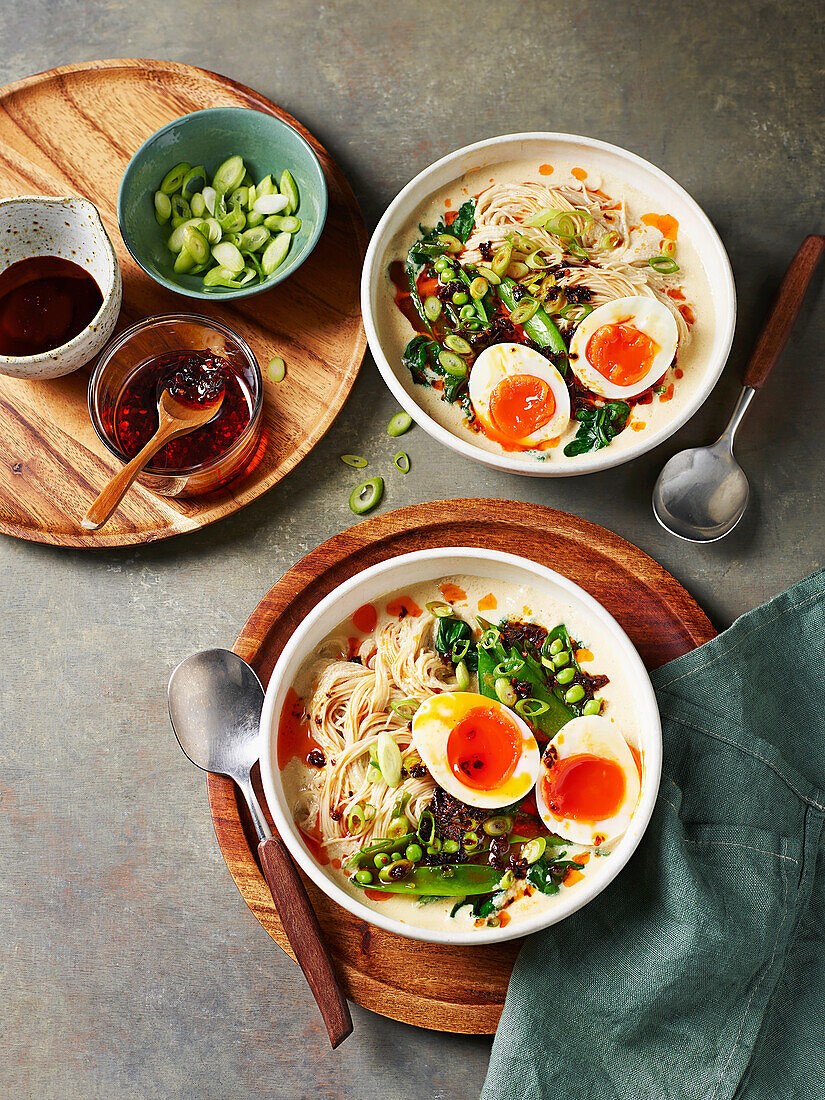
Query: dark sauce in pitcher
{"type": "Point", "coordinates": [45, 302]}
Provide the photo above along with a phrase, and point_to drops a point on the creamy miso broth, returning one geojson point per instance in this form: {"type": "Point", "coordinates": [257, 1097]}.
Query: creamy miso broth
{"type": "Point", "coordinates": [371, 753]}
{"type": "Point", "coordinates": [588, 276]}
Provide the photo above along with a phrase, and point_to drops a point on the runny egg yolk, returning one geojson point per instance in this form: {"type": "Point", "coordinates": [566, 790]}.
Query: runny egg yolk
{"type": "Point", "coordinates": [521, 404]}
{"type": "Point", "coordinates": [483, 749]}
{"type": "Point", "coordinates": [584, 788]}
{"type": "Point", "coordinates": [621, 353]}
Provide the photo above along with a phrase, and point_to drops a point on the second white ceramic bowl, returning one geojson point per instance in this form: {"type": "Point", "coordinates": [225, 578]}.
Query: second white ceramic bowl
{"type": "Point", "coordinates": [602, 158]}
{"type": "Point", "coordinates": [71, 228]}
{"type": "Point", "coordinates": [430, 565]}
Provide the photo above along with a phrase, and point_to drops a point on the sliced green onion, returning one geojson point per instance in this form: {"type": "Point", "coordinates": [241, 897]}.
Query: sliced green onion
{"type": "Point", "coordinates": [457, 344]}
{"type": "Point", "coordinates": [401, 805]}
{"type": "Point", "coordinates": [440, 609]}
{"type": "Point", "coordinates": [389, 759]}
{"type": "Point", "coordinates": [450, 243]}
{"type": "Point", "coordinates": [452, 364]}
{"type": "Point", "coordinates": [531, 707]}
{"type": "Point", "coordinates": [289, 187]}
{"type": "Point", "coordinates": [276, 369]}
{"type": "Point", "coordinates": [405, 708]}
{"type": "Point", "coordinates": [462, 676]}
{"type": "Point", "coordinates": [400, 423]}
{"type": "Point", "coordinates": [270, 204]}
{"type": "Point", "coordinates": [432, 308]}
{"type": "Point", "coordinates": [163, 207]}
{"type": "Point", "coordinates": [426, 827]}
{"type": "Point", "coordinates": [669, 248]}
{"type": "Point", "coordinates": [501, 260]}
{"type": "Point", "coordinates": [174, 178]}
{"type": "Point", "coordinates": [228, 256]}
{"type": "Point", "coordinates": [505, 692]}
{"type": "Point", "coordinates": [509, 667]}
{"type": "Point", "coordinates": [356, 819]}
{"type": "Point", "coordinates": [524, 310]}
{"type": "Point", "coordinates": [401, 461]}
{"type": "Point", "coordinates": [488, 275]}
{"type": "Point", "coordinates": [459, 651]}
{"type": "Point", "coordinates": [366, 496]}
{"type": "Point", "coordinates": [517, 270]}
{"type": "Point", "coordinates": [229, 175]}
{"type": "Point", "coordinates": [500, 825]}
{"type": "Point", "coordinates": [275, 253]}
{"type": "Point", "coordinates": [534, 849]}
{"type": "Point", "coordinates": [663, 265]}
{"type": "Point", "coordinates": [576, 311]}
{"type": "Point", "coordinates": [479, 287]}
{"type": "Point", "coordinates": [489, 639]}
{"type": "Point", "coordinates": [471, 840]}
{"type": "Point", "coordinates": [610, 240]}
{"type": "Point", "coordinates": [356, 461]}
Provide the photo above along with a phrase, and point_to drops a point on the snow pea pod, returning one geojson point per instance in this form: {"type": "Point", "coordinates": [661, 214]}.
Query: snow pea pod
{"type": "Point", "coordinates": [365, 855]}
{"type": "Point", "coordinates": [539, 327]}
{"type": "Point", "coordinates": [460, 880]}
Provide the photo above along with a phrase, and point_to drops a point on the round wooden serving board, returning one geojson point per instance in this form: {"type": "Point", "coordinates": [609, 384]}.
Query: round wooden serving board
{"type": "Point", "coordinates": [457, 989]}
{"type": "Point", "coordinates": [72, 131]}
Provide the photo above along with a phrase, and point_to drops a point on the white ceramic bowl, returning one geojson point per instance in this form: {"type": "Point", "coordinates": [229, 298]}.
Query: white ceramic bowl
{"type": "Point", "coordinates": [71, 228]}
{"type": "Point", "coordinates": [402, 572]}
{"type": "Point", "coordinates": [602, 158]}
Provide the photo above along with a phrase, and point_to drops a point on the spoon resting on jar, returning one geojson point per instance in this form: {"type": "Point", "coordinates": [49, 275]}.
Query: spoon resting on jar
{"type": "Point", "coordinates": [178, 414]}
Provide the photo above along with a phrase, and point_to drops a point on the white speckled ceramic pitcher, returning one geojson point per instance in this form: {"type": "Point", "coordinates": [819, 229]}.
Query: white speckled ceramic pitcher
{"type": "Point", "coordinates": [70, 228]}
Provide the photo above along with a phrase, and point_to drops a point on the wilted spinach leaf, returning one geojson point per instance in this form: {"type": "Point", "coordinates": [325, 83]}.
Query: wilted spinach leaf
{"type": "Point", "coordinates": [462, 225]}
{"type": "Point", "coordinates": [597, 427]}
{"type": "Point", "coordinates": [451, 635]}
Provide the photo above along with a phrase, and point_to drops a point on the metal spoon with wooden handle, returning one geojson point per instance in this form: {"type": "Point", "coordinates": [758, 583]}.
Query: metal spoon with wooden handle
{"type": "Point", "coordinates": [174, 418]}
{"type": "Point", "coordinates": [215, 702]}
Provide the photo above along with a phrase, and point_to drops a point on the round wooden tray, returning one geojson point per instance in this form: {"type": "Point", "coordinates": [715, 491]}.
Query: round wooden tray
{"type": "Point", "coordinates": [72, 131]}
{"type": "Point", "coordinates": [443, 988]}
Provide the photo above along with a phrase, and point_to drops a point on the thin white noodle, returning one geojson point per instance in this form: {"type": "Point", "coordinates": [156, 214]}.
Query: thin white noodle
{"type": "Point", "coordinates": [503, 208]}
{"type": "Point", "coordinates": [349, 708]}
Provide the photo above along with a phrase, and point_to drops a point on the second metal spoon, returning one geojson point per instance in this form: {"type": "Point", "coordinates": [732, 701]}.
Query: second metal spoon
{"type": "Point", "coordinates": [702, 493]}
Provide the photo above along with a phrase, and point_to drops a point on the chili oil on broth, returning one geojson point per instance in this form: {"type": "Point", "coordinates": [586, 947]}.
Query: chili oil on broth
{"type": "Point", "coordinates": [395, 331]}
{"type": "Point", "coordinates": [512, 601]}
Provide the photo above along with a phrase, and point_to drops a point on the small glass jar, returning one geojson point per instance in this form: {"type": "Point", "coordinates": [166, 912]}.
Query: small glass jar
{"type": "Point", "coordinates": [156, 336]}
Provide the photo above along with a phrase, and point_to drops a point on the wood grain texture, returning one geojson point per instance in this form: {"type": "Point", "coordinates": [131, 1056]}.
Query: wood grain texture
{"type": "Point", "coordinates": [447, 989]}
{"type": "Point", "coordinates": [784, 311]}
{"type": "Point", "coordinates": [72, 130]}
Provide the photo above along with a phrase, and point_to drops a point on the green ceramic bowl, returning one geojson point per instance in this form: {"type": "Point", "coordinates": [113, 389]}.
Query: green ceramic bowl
{"type": "Point", "coordinates": [268, 146]}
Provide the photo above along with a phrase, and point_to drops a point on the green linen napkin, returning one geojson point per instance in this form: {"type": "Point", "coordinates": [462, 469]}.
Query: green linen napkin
{"type": "Point", "coordinates": [700, 971]}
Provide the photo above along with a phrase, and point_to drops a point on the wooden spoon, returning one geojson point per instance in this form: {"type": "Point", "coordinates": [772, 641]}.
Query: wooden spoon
{"type": "Point", "coordinates": [174, 418]}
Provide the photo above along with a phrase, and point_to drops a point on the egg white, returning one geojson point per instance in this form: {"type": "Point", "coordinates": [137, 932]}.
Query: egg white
{"type": "Point", "coordinates": [499, 361]}
{"type": "Point", "coordinates": [433, 722]}
{"type": "Point", "coordinates": [649, 316]}
{"type": "Point", "coordinates": [593, 735]}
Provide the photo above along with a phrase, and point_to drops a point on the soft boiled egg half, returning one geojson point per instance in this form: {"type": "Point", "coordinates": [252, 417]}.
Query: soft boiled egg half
{"type": "Point", "coordinates": [624, 347]}
{"type": "Point", "coordinates": [476, 749]}
{"type": "Point", "coordinates": [589, 785]}
{"type": "Point", "coordinates": [518, 395]}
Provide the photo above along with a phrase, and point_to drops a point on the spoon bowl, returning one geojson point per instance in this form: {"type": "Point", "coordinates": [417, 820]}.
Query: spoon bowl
{"type": "Point", "coordinates": [702, 493]}
{"type": "Point", "coordinates": [211, 693]}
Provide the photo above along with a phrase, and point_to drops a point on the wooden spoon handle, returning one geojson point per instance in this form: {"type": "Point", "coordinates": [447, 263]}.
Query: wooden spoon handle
{"type": "Point", "coordinates": [113, 492]}
{"type": "Point", "coordinates": [305, 936]}
{"type": "Point", "coordinates": [777, 328]}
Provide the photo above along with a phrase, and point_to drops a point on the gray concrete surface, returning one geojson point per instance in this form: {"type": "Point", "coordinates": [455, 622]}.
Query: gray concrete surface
{"type": "Point", "coordinates": [129, 965]}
